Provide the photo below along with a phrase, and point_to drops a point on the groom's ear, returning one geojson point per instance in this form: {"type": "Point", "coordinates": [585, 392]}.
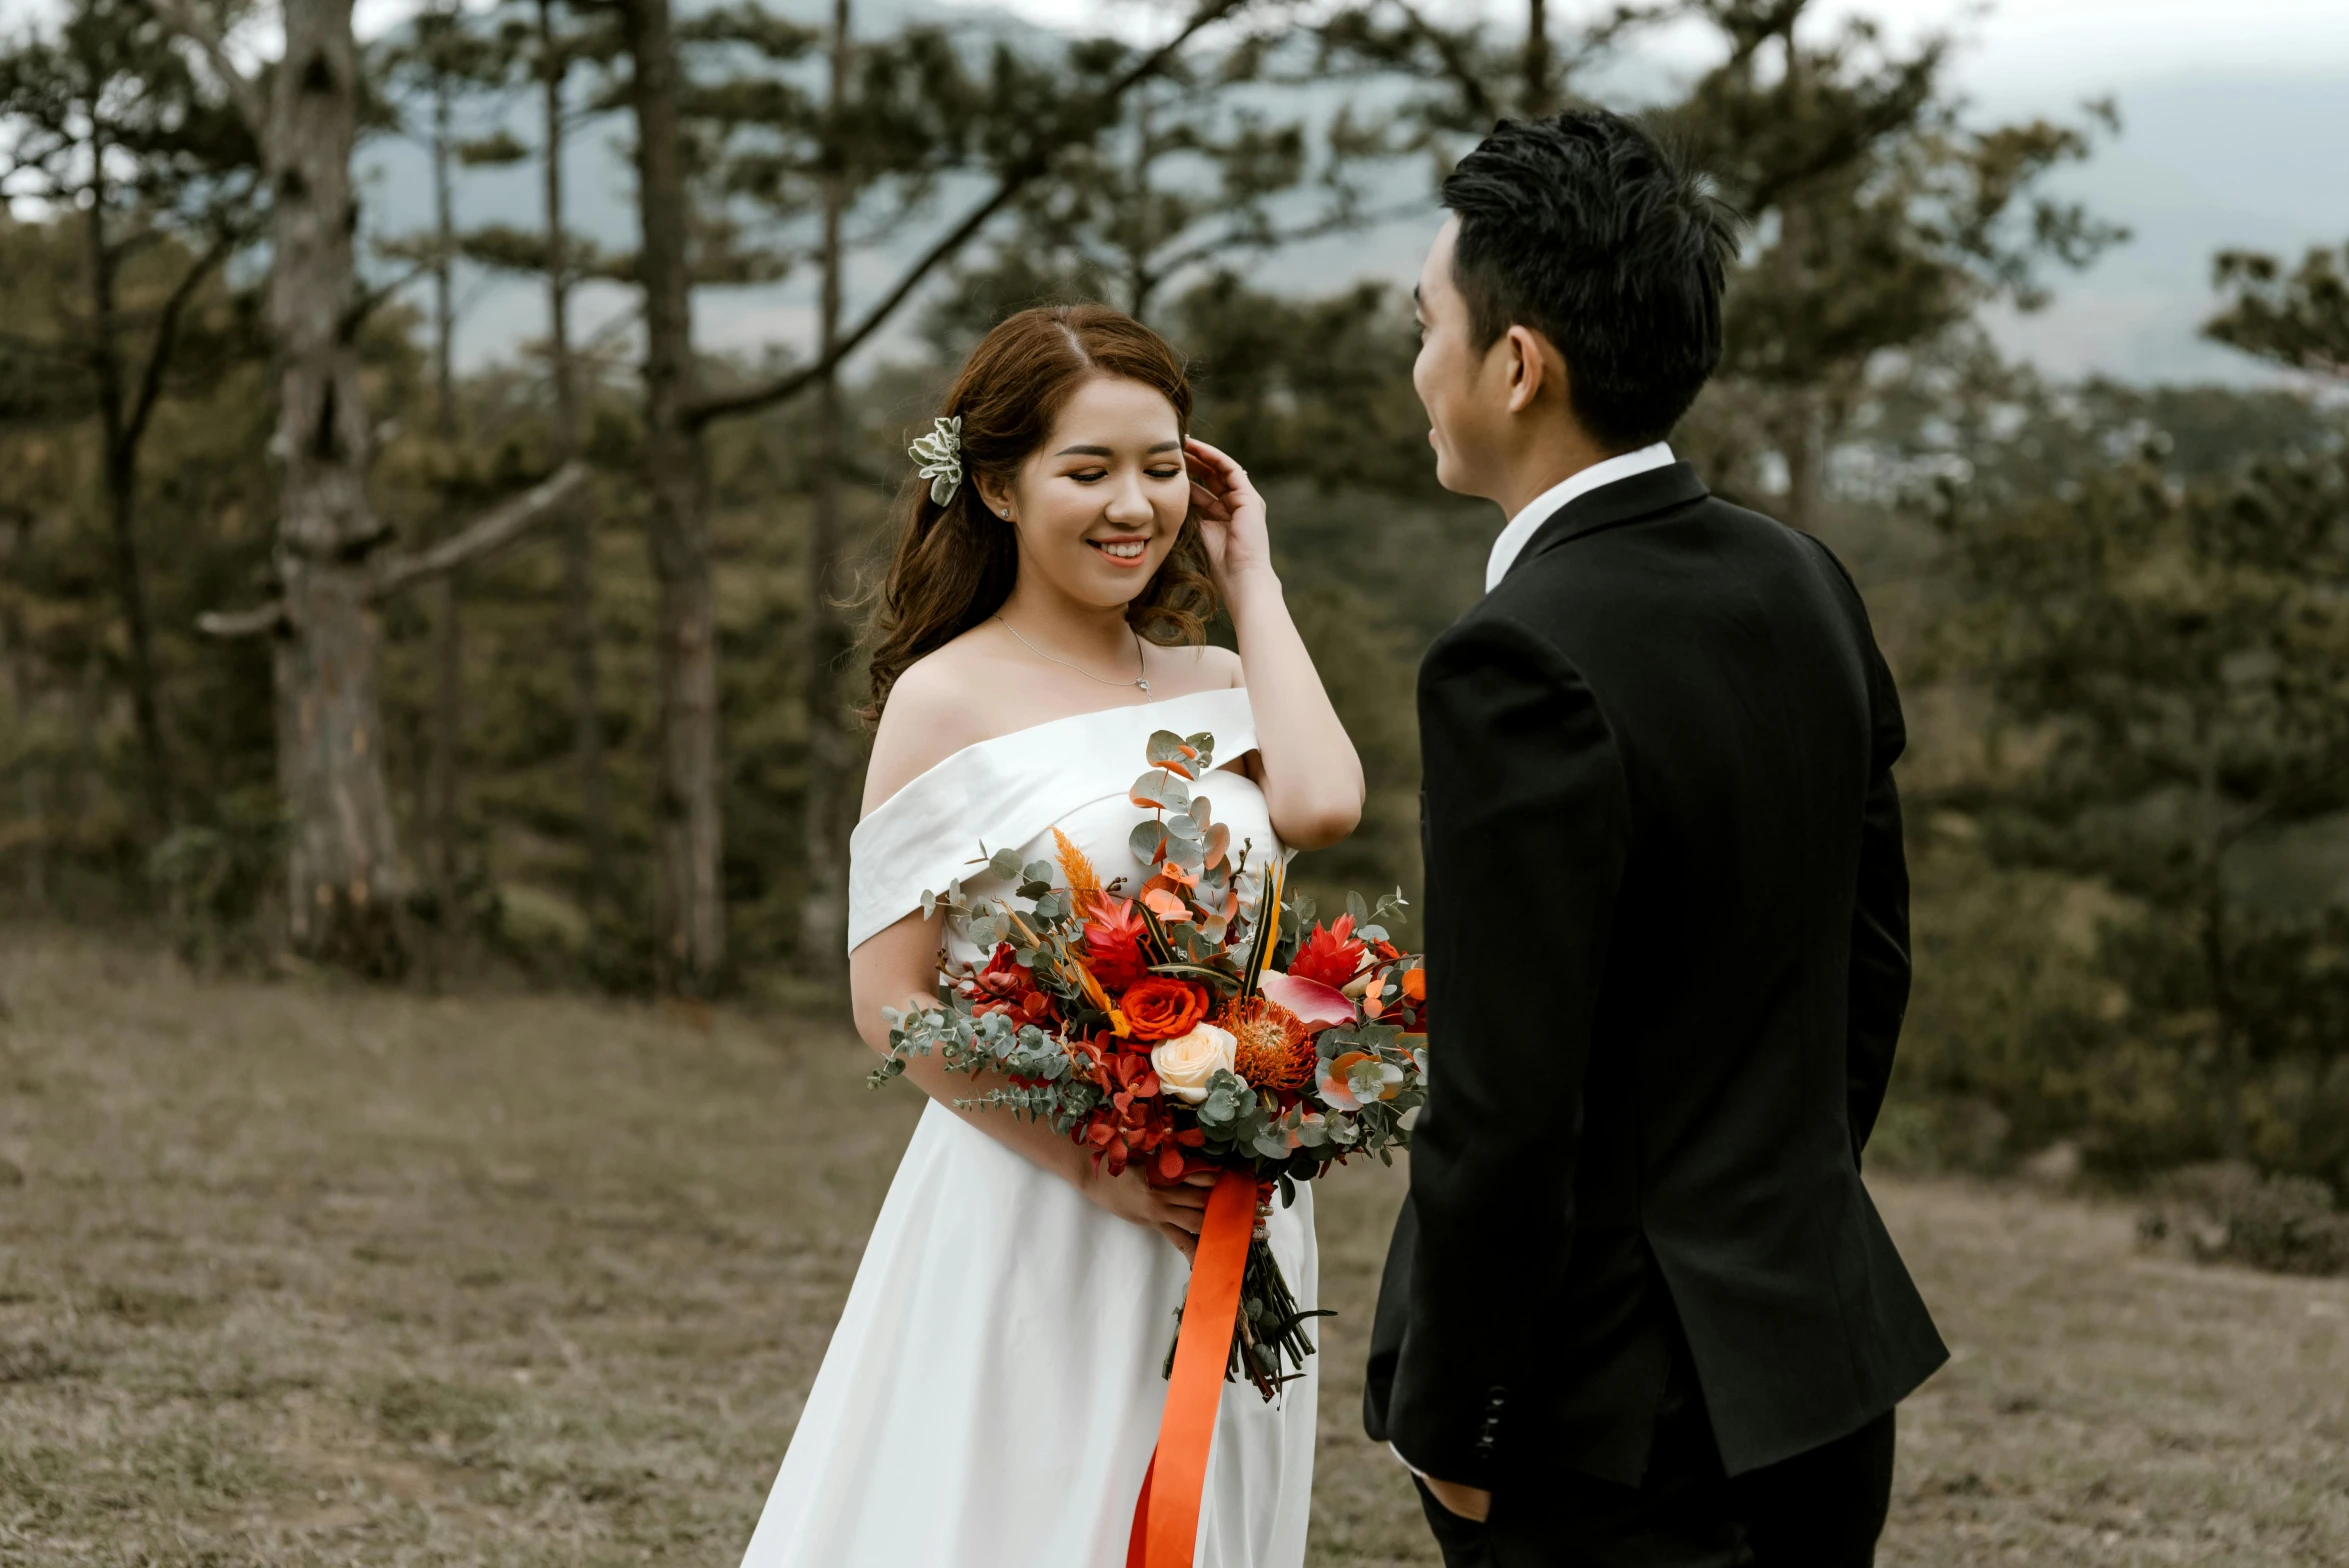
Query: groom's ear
{"type": "Point", "coordinates": [1533, 367]}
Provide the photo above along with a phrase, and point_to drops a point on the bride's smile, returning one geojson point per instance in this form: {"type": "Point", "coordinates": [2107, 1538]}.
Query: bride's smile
{"type": "Point", "coordinates": [1098, 505]}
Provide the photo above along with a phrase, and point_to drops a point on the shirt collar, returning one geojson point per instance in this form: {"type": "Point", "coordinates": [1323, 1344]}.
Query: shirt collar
{"type": "Point", "coordinates": [1545, 506]}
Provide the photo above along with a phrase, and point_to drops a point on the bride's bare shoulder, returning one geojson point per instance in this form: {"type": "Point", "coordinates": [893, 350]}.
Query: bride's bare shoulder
{"type": "Point", "coordinates": [937, 706]}
{"type": "Point", "coordinates": [1219, 667]}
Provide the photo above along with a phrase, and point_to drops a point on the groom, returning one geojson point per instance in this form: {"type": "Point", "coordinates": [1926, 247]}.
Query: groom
{"type": "Point", "coordinates": [1639, 1308]}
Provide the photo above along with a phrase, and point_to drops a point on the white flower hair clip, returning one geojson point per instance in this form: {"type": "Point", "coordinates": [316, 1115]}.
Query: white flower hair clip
{"type": "Point", "coordinates": [940, 454]}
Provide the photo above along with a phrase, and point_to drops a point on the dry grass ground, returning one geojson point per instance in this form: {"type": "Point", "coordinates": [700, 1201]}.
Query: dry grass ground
{"type": "Point", "coordinates": [302, 1273]}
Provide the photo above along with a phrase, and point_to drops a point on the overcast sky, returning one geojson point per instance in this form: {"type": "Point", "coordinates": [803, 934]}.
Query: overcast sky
{"type": "Point", "coordinates": [2235, 133]}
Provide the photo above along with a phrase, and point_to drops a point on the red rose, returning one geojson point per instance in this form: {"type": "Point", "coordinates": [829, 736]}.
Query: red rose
{"type": "Point", "coordinates": [1162, 1007]}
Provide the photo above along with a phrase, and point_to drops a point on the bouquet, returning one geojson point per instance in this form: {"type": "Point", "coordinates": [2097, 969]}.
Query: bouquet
{"type": "Point", "coordinates": [1198, 1022]}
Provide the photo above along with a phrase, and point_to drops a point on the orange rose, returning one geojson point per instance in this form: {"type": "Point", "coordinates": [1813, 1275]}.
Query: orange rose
{"type": "Point", "coordinates": [1161, 1007]}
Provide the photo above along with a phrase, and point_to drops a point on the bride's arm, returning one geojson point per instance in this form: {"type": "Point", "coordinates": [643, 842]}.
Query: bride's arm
{"type": "Point", "coordinates": [1311, 776]}
{"type": "Point", "coordinates": [925, 721]}
{"type": "Point", "coordinates": [898, 967]}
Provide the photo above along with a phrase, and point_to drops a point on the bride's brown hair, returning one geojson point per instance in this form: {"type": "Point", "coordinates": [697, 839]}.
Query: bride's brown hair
{"type": "Point", "coordinates": [955, 564]}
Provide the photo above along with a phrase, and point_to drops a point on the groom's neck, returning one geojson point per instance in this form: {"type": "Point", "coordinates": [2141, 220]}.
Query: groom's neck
{"type": "Point", "coordinates": [1543, 459]}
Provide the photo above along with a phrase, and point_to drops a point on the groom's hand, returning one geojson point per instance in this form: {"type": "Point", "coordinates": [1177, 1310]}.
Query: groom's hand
{"type": "Point", "coordinates": [1466, 1501]}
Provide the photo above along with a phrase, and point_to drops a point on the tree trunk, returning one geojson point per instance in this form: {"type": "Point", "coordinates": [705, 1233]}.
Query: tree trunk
{"type": "Point", "coordinates": [1803, 440]}
{"type": "Point", "coordinates": [1139, 240]}
{"type": "Point", "coordinates": [343, 881]}
{"type": "Point", "coordinates": [587, 737]}
{"type": "Point", "coordinates": [1540, 99]}
{"type": "Point", "coordinates": [2234, 1063]}
{"type": "Point", "coordinates": [120, 463]}
{"type": "Point", "coordinates": [832, 747]}
{"type": "Point", "coordinates": [130, 587]}
{"type": "Point", "coordinates": [444, 830]}
{"type": "Point", "coordinates": [692, 936]}
{"type": "Point", "coordinates": [23, 756]}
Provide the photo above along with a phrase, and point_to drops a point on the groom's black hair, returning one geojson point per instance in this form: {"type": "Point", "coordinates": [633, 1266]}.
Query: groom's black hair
{"type": "Point", "coordinates": [1585, 228]}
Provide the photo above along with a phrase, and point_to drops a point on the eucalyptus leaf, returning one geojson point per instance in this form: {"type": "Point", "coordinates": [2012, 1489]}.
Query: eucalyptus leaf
{"type": "Point", "coordinates": [1145, 839]}
{"type": "Point", "coordinates": [1160, 788]}
{"type": "Point", "coordinates": [1166, 749]}
{"type": "Point", "coordinates": [1005, 863]}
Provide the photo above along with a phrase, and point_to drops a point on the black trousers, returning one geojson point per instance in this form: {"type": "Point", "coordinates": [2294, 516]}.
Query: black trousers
{"type": "Point", "coordinates": [1822, 1509]}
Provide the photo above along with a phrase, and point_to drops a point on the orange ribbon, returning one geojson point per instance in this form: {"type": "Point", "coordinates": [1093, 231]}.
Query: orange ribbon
{"type": "Point", "coordinates": [1166, 1515]}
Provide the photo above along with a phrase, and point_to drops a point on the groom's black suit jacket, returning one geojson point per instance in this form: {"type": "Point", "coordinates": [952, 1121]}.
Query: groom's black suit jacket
{"type": "Point", "coordinates": [1667, 951]}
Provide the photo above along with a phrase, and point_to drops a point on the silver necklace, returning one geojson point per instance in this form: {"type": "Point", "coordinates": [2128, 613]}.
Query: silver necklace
{"type": "Point", "coordinates": [1140, 685]}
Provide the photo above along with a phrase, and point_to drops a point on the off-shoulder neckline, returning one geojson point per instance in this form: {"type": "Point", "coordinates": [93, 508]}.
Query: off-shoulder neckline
{"type": "Point", "coordinates": [956, 756]}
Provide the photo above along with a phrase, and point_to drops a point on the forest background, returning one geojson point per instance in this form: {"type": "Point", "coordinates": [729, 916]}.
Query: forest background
{"type": "Point", "coordinates": [326, 644]}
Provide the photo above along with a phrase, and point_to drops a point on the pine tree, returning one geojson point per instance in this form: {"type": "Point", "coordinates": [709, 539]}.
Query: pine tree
{"type": "Point", "coordinates": [105, 118]}
{"type": "Point", "coordinates": [1882, 219]}
{"type": "Point", "coordinates": [429, 73]}
{"type": "Point", "coordinates": [333, 561]}
{"type": "Point", "coordinates": [2299, 320]}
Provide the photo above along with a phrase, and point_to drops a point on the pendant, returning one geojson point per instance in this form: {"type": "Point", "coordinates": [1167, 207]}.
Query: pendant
{"type": "Point", "coordinates": [1145, 687]}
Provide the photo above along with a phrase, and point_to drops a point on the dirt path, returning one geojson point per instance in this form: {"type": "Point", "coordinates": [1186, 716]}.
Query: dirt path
{"type": "Point", "coordinates": [303, 1274]}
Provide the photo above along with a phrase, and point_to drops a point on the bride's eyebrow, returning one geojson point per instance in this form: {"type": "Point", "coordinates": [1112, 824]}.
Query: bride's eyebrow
{"type": "Point", "coordinates": [1102, 451]}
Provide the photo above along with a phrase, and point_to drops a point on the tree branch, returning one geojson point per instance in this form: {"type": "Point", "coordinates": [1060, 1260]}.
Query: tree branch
{"type": "Point", "coordinates": [1276, 238]}
{"type": "Point", "coordinates": [1456, 65]}
{"type": "Point", "coordinates": [231, 624]}
{"type": "Point", "coordinates": [371, 300]}
{"type": "Point", "coordinates": [159, 353]}
{"type": "Point", "coordinates": [487, 535]}
{"type": "Point", "coordinates": [183, 18]}
{"type": "Point", "coordinates": [1031, 167]}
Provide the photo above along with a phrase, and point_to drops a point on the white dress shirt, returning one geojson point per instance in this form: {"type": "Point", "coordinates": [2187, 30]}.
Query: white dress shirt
{"type": "Point", "coordinates": [1543, 507]}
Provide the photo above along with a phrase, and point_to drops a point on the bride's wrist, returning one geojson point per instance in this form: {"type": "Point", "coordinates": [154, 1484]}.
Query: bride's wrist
{"type": "Point", "coordinates": [1258, 585]}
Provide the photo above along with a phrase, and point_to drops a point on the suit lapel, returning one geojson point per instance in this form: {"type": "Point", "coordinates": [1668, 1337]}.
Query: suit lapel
{"type": "Point", "coordinates": [1611, 506]}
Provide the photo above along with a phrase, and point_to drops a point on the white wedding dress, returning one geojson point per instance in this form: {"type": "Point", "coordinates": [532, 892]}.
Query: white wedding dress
{"type": "Point", "coordinates": [991, 1395]}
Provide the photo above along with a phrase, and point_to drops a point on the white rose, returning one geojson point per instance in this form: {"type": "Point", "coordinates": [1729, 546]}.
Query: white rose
{"type": "Point", "coordinates": [1186, 1062]}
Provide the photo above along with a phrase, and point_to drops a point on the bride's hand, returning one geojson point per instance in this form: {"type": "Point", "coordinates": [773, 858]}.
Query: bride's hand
{"type": "Point", "coordinates": [1175, 1212]}
{"type": "Point", "coordinates": [1231, 517]}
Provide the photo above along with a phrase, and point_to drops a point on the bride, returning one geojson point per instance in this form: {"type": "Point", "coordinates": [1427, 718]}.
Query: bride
{"type": "Point", "coordinates": [992, 1392]}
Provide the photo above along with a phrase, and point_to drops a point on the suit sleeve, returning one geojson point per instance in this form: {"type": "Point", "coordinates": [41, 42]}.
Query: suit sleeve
{"type": "Point", "coordinates": [1528, 823]}
{"type": "Point", "coordinates": [1879, 997]}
